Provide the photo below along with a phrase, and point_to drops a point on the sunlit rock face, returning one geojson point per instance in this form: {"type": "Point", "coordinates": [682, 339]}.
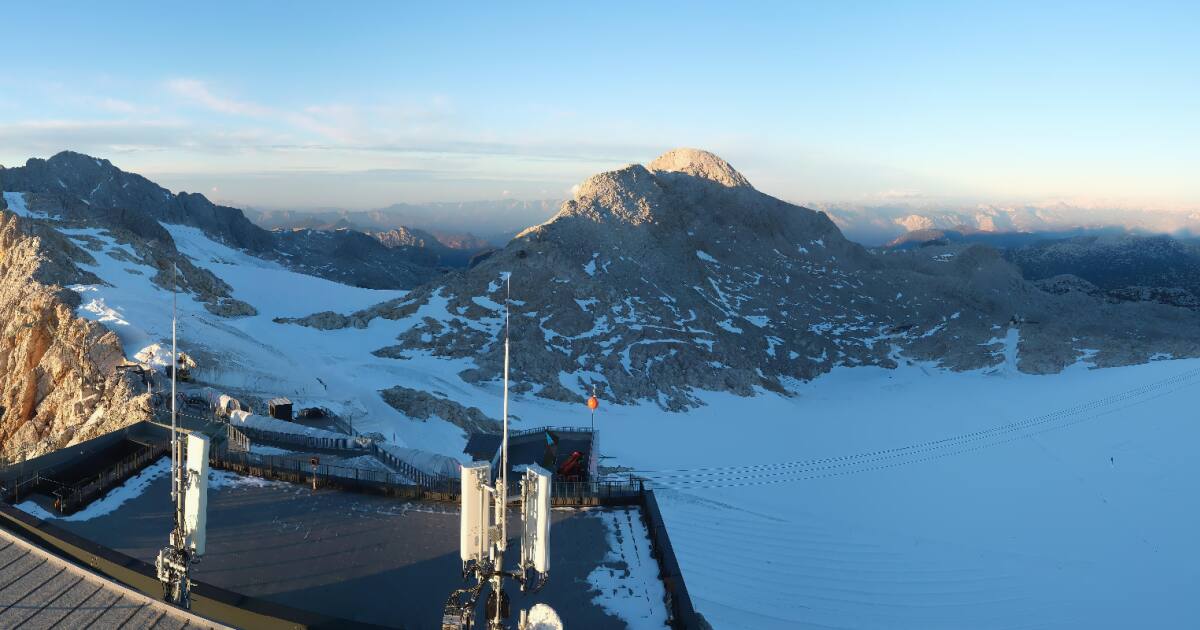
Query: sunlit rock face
{"type": "Point", "coordinates": [58, 379]}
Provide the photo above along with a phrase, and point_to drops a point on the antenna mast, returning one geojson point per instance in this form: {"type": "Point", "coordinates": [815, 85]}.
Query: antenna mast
{"type": "Point", "coordinates": [484, 540]}
{"type": "Point", "coordinates": [175, 455]}
{"type": "Point", "coordinates": [501, 539]}
{"type": "Point", "coordinates": [186, 542]}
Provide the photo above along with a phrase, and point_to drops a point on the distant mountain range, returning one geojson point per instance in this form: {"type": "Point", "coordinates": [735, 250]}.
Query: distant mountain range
{"type": "Point", "coordinates": [468, 225]}
{"type": "Point", "coordinates": [882, 224]}
{"type": "Point", "coordinates": [88, 191]}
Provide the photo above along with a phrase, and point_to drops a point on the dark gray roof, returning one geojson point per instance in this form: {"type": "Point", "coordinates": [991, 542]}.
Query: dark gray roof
{"type": "Point", "coordinates": [482, 446]}
{"type": "Point", "coordinates": [41, 590]}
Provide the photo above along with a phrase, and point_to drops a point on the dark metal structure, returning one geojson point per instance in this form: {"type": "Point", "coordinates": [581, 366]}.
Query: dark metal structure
{"type": "Point", "coordinates": [280, 408]}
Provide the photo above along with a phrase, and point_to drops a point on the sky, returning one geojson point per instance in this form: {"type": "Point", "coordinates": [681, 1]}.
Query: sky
{"type": "Point", "coordinates": [361, 105]}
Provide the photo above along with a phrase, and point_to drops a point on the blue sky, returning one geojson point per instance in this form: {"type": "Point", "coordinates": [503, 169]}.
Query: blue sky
{"type": "Point", "coordinates": [365, 104]}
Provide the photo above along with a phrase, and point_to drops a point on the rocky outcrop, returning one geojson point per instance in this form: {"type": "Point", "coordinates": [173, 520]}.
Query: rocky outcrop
{"type": "Point", "coordinates": [405, 237]}
{"type": "Point", "coordinates": [423, 405]}
{"type": "Point", "coordinates": [353, 258]}
{"type": "Point", "coordinates": [59, 383]}
{"type": "Point", "coordinates": [1127, 266]}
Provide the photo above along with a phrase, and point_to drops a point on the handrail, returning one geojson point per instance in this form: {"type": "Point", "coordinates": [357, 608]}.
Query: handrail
{"type": "Point", "coordinates": [421, 485]}
{"type": "Point", "coordinates": [71, 498]}
{"type": "Point", "coordinates": [524, 432]}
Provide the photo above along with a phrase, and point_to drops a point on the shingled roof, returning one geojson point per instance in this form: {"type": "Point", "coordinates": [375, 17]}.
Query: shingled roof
{"type": "Point", "coordinates": [41, 590]}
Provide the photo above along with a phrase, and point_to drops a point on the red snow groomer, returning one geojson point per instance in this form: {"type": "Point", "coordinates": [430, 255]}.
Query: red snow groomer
{"type": "Point", "coordinates": [572, 469]}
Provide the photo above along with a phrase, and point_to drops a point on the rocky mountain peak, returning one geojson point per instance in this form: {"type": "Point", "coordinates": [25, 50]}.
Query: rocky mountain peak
{"type": "Point", "coordinates": [627, 195]}
{"type": "Point", "coordinates": [77, 161]}
{"type": "Point", "coordinates": [698, 163]}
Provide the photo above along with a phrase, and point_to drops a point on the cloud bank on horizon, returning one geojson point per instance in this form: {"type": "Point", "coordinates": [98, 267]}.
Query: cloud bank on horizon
{"type": "Point", "coordinates": [908, 104]}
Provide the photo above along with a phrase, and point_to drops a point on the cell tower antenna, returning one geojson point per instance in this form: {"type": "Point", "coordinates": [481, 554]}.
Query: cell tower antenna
{"type": "Point", "coordinates": [189, 488]}
{"type": "Point", "coordinates": [484, 531]}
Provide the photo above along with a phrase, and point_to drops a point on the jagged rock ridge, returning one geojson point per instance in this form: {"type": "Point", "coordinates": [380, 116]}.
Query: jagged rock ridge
{"type": "Point", "coordinates": [91, 191]}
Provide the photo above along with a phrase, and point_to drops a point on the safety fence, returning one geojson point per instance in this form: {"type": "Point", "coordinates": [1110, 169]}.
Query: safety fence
{"type": "Point", "coordinates": [414, 474]}
{"type": "Point", "coordinates": [523, 432]}
{"type": "Point", "coordinates": [300, 440]}
{"type": "Point", "coordinates": [372, 481]}
{"type": "Point", "coordinates": [69, 499]}
{"type": "Point", "coordinates": [23, 484]}
{"type": "Point", "coordinates": [608, 492]}
{"type": "Point", "coordinates": [235, 440]}
{"type": "Point", "coordinates": [301, 471]}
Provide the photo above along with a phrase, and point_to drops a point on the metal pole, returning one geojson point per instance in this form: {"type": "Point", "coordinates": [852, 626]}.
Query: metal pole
{"type": "Point", "coordinates": [504, 444]}
{"type": "Point", "coordinates": [502, 490]}
{"type": "Point", "coordinates": [174, 366]}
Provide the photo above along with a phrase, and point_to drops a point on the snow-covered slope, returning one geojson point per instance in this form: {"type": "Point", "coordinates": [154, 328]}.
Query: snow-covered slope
{"type": "Point", "coordinates": [252, 355]}
{"type": "Point", "coordinates": [922, 498]}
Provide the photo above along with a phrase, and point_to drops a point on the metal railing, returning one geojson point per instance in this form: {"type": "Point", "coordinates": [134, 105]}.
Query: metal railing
{"type": "Point", "coordinates": [235, 440]}
{"type": "Point", "coordinates": [300, 440]}
{"type": "Point", "coordinates": [71, 498]}
{"type": "Point", "coordinates": [299, 470]}
{"type": "Point", "coordinates": [524, 432]}
{"type": "Point", "coordinates": [418, 476]}
{"type": "Point", "coordinates": [575, 493]}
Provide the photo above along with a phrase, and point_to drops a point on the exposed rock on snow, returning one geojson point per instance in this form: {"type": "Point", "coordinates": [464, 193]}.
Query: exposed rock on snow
{"type": "Point", "coordinates": [423, 405]}
{"type": "Point", "coordinates": [779, 294]}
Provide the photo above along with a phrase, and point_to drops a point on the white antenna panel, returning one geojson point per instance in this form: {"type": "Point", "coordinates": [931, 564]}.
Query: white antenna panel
{"type": "Point", "coordinates": [476, 510]}
{"type": "Point", "coordinates": [195, 494]}
{"type": "Point", "coordinates": [535, 539]}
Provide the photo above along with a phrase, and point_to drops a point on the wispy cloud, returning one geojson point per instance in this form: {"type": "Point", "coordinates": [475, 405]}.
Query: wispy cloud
{"type": "Point", "coordinates": [124, 107]}
{"type": "Point", "coordinates": [328, 122]}
{"type": "Point", "coordinates": [199, 93]}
